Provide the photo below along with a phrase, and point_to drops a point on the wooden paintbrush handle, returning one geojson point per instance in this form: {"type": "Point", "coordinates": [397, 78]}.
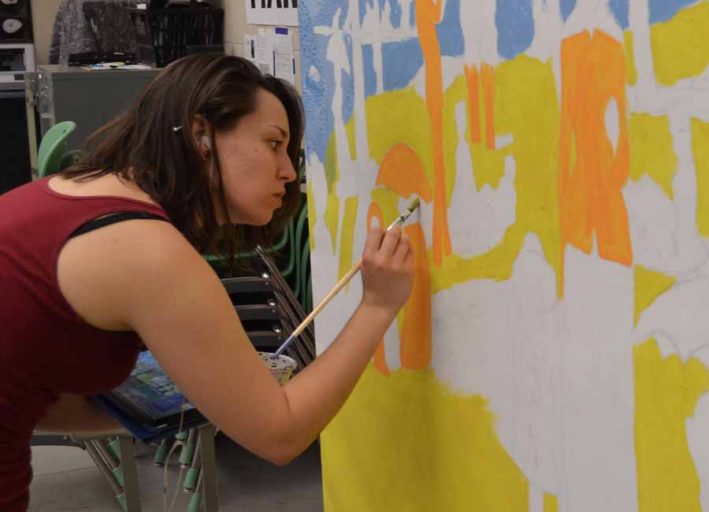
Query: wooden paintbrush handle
{"type": "Point", "coordinates": [339, 286]}
{"type": "Point", "coordinates": [342, 282]}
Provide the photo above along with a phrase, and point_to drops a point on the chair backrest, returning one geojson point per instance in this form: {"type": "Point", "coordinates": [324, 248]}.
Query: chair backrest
{"type": "Point", "coordinates": [52, 148]}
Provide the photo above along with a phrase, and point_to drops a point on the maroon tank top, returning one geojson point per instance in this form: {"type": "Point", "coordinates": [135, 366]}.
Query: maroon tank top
{"type": "Point", "coordinates": [45, 348]}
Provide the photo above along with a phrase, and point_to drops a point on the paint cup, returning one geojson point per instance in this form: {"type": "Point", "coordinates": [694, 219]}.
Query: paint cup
{"type": "Point", "coordinates": [281, 367]}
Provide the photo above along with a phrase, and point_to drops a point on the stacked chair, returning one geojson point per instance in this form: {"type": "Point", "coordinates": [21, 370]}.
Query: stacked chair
{"type": "Point", "coordinates": [53, 155]}
{"type": "Point", "coordinates": [112, 453]}
{"type": "Point", "coordinates": [269, 312]}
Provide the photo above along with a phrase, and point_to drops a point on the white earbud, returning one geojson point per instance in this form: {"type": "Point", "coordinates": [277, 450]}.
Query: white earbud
{"type": "Point", "coordinates": [206, 141]}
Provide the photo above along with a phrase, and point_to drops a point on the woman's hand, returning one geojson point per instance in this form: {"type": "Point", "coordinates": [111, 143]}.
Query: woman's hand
{"type": "Point", "coordinates": [387, 269]}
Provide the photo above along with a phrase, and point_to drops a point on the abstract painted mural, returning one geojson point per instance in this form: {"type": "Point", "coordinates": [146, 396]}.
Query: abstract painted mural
{"type": "Point", "coordinates": [554, 355]}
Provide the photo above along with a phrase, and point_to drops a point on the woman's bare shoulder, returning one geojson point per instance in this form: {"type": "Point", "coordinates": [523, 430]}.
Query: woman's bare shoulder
{"type": "Point", "coordinates": [100, 272]}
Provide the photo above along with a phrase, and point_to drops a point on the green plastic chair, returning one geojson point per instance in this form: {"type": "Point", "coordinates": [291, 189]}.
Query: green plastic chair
{"type": "Point", "coordinates": [52, 148]}
{"type": "Point", "coordinates": [297, 248]}
{"type": "Point", "coordinates": [220, 264]}
{"type": "Point", "coordinates": [306, 282]}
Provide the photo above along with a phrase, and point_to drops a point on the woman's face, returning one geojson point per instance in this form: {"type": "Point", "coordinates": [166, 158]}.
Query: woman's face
{"type": "Point", "coordinates": [254, 162]}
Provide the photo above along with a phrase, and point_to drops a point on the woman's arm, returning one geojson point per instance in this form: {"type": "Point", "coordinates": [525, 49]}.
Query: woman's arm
{"type": "Point", "coordinates": [143, 275]}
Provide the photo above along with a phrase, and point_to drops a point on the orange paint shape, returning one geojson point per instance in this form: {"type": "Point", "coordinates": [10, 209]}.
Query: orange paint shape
{"type": "Point", "coordinates": [488, 84]}
{"type": "Point", "coordinates": [592, 172]}
{"type": "Point", "coordinates": [473, 81]}
{"type": "Point", "coordinates": [402, 171]}
{"type": "Point", "coordinates": [428, 16]}
{"type": "Point", "coordinates": [379, 360]}
{"type": "Point", "coordinates": [415, 339]}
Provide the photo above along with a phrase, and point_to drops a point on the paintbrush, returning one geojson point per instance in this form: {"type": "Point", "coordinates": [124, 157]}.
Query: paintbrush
{"type": "Point", "coordinates": [342, 282]}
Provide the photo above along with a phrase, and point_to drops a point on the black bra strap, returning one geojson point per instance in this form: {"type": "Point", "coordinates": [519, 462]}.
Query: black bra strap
{"type": "Point", "coordinates": [112, 218]}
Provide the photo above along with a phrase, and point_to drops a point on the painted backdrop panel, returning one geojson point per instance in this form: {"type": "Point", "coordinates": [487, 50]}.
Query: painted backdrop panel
{"type": "Point", "coordinates": [553, 356]}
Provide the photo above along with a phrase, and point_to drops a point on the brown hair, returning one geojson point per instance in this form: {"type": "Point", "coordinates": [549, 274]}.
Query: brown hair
{"type": "Point", "coordinates": [151, 144]}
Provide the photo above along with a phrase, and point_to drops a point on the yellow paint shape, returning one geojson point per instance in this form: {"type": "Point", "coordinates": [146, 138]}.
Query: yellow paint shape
{"type": "Point", "coordinates": [680, 46]}
{"type": "Point", "coordinates": [350, 130]}
{"type": "Point", "coordinates": [700, 150]}
{"type": "Point", "coordinates": [331, 171]}
{"type": "Point", "coordinates": [551, 503]}
{"type": "Point", "coordinates": [649, 285]}
{"type": "Point", "coordinates": [400, 117]}
{"type": "Point", "coordinates": [630, 69]}
{"type": "Point", "coordinates": [332, 206]}
{"type": "Point", "coordinates": [312, 216]}
{"type": "Point", "coordinates": [331, 215]}
{"type": "Point", "coordinates": [415, 446]}
{"type": "Point", "coordinates": [651, 150]}
{"type": "Point", "coordinates": [666, 394]}
{"type": "Point", "coordinates": [527, 109]}
{"type": "Point", "coordinates": [495, 264]}
{"type": "Point", "coordinates": [456, 93]}
{"type": "Point", "coordinates": [347, 236]}
{"type": "Point", "coordinates": [489, 165]}
{"type": "Point", "coordinates": [388, 201]}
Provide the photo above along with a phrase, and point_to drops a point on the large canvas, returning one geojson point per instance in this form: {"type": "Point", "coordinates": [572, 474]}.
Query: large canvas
{"type": "Point", "coordinates": [554, 355]}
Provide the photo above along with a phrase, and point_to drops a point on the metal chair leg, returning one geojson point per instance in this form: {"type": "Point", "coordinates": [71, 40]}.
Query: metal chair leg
{"type": "Point", "coordinates": [196, 496]}
{"type": "Point", "coordinates": [130, 474]}
{"type": "Point", "coordinates": [210, 491]}
{"type": "Point", "coordinates": [189, 482]}
{"type": "Point", "coordinates": [126, 501]}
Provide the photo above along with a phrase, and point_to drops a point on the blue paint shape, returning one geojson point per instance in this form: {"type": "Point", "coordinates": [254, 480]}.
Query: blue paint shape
{"type": "Point", "coordinates": [450, 33]}
{"type": "Point", "coordinates": [363, 9]}
{"type": "Point", "coordinates": [395, 8]}
{"type": "Point", "coordinates": [663, 10]}
{"type": "Point", "coordinates": [370, 75]}
{"type": "Point", "coordinates": [321, 12]}
{"type": "Point", "coordinates": [396, 11]}
{"type": "Point", "coordinates": [380, 4]}
{"type": "Point", "coordinates": [619, 8]}
{"type": "Point", "coordinates": [348, 86]}
{"type": "Point", "coordinates": [567, 7]}
{"type": "Point", "coordinates": [515, 27]}
{"type": "Point", "coordinates": [318, 92]}
{"type": "Point", "coordinates": [401, 62]}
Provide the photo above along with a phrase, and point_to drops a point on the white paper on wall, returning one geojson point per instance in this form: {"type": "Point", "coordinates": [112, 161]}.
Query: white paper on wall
{"type": "Point", "coordinates": [272, 12]}
{"type": "Point", "coordinates": [264, 51]}
{"type": "Point", "coordinates": [283, 61]}
{"type": "Point", "coordinates": [272, 51]}
{"type": "Point", "coordinates": [250, 47]}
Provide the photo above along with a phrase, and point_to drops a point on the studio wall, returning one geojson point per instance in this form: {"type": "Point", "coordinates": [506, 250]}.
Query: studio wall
{"type": "Point", "coordinates": [553, 356]}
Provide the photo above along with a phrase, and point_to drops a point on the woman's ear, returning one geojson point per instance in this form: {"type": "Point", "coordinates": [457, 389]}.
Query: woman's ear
{"type": "Point", "coordinates": [202, 135]}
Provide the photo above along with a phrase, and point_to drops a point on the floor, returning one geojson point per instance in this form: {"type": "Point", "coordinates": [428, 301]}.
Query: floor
{"type": "Point", "coordinates": [67, 480]}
